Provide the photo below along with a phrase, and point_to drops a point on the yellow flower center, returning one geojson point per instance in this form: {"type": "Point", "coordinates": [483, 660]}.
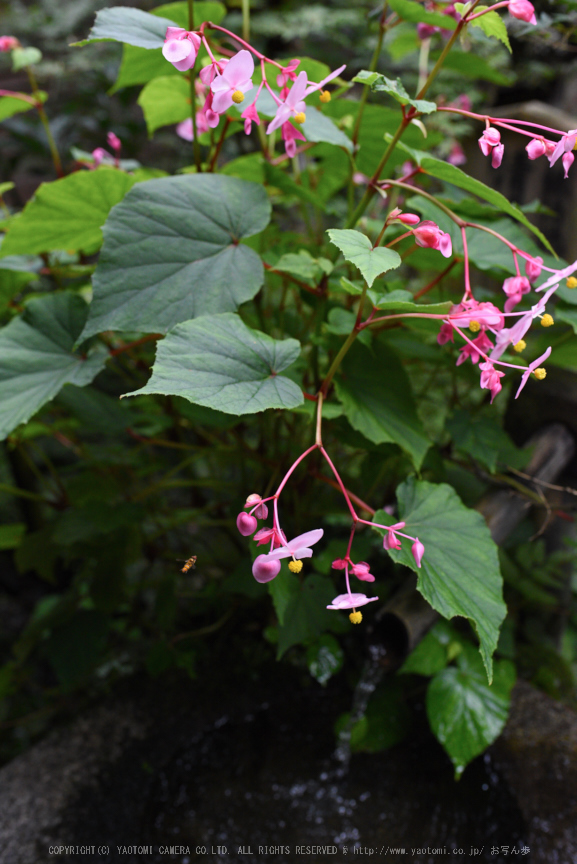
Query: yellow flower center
{"type": "Point", "coordinates": [295, 566]}
{"type": "Point", "coordinates": [571, 282]}
{"type": "Point", "coordinates": [520, 346]}
{"type": "Point", "coordinates": [238, 97]}
{"type": "Point", "coordinates": [474, 326]}
{"type": "Point", "coordinates": [355, 617]}
{"type": "Point", "coordinates": [540, 373]}
{"type": "Point", "coordinates": [547, 320]}
{"type": "Point", "coordinates": [300, 117]}
{"type": "Point", "coordinates": [325, 96]}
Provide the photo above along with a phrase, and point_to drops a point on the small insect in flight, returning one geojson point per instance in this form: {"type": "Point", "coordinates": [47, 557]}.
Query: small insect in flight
{"type": "Point", "coordinates": [189, 564]}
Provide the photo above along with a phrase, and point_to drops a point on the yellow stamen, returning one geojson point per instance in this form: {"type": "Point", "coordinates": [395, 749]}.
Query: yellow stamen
{"type": "Point", "coordinates": [295, 566]}
{"type": "Point", "coordinates": [474, 326]}
{"type": "Point", "coordinates": [238, 97]}
{"type": "Point", "coordinates": [300, 117]}
{"type": "Point", "coordinates": [540, 373]}
{"type": "Point", "coordinates": [520, 346]}
{"type": "Point", "coordinates": [547, 320]}
{"type": "Point", "coordinates": [325, 96]}
{"type": "Point", "coordinates": [571, 282]}
{"type": "Point", "coordinates": [355, 617]}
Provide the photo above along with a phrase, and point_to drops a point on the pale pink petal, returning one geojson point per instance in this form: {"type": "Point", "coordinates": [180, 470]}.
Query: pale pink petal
{"type": "Point", "coordinates": [350, 601]}
{"type": "Point", "coordinates": [239, 69]}
{"type": "Point", "coordinates": [176, 49]}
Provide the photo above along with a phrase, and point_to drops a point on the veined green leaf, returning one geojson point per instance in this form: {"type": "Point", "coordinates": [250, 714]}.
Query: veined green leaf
{"type": "Point", "coordinates": [358, 249]}
{"type": "Point", "coordinates": [408, 10]}
{"type": "Point", "coordinates": [130, 25]}
{"type": "Point", "coordinates": [380, 84]}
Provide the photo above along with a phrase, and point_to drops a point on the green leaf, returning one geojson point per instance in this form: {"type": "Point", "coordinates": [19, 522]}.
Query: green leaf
{"type": "Point", "coordinates": [36, 358]}
{"type": "Point", "coordinates": [22, 57]}
{"type": "Point", "coordinates": [172, 252]}
{"type": "Point", "coordinates": [380, 84]}
{"type": "Point", "coordinates": [68, 213]}
{"type": "Point", "coordinates": [358, 249]}
{"type": "Point", "coordinates": [164, 101]}
{"type": "Point", "coordinates": [302, 265]}
{"type": "Point", "coordinates": [325, 658]}
{"type": "Point", "coordinates": [306, 615]}
{"type": "Point", "coordinates": [75, 647]}
{"type": "Point", "coordinates": [140, 65]}
{"type": "Point", "coordinates": [10, 105]}
{"type": "Point", "coordinates": [129, 25]}
{"type": "Point", "coordinates": [452, 174]}
{"type": "Point", "coordinates": [459, 573]}
{"type": "Point", "coordinates": [465, 713]}
{"type": "Point", "coordinates": [472, 65]}
{"type": "Point", "coordinates": [480, 437]}
{"type": "Point", "coordinates": [219, 362]}
{"type": "Point", "coordinates": [376, 394]}
{"type": "Point", "coordinates": [491, 24]}
{"type": "Point", "coordinates": [11, 535]}
{"type": "Point", "coordinates": [408, 10]}
{"type": "Point", "coordinates": [281, 589]}
{"type": "Point", "coordinates": [434, 652]}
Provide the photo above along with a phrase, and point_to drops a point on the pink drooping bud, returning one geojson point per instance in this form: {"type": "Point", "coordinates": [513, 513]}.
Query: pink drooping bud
{"type": "Point", "coordinates": [250, 116]}
{"type": "Point", "coordinates": [533, 268]}
{"type": "Point", "coordinates": [446, 334]}
{"type": "Point", "coordinates": [288, 73]}
{"type": "Point", "coordinates": [490, 138]}
{"type": "Point", "coordinates": [253, 498]}
{"type": "Point", "coordinates": [362, 572]}
{"type": "Point", "coordinates": [567, 161]}
{"type": "Point", "coordinates": [514, 287]}
{"type": "Point", "coordinates": [497, 155]}
{"type": "Point", "coordinates": [418, 551]}
{"type": "Point", "coordinates": [180, 48]}
{"type": "Point", "coordinates": [409, 218]}
{"type": "Point", "coordinates": [246, 524]}
{"type": "Point", "coordinates": [339, 564]}
{"type": "Point", "coordinates": [475, 349]}
{"type": "Point", "coordinates": [536, 148]}
{"type": "Point", "coordinates": [391, 541]}
{"type": "Point", "coordinates": [8, 43]}
{"type": "Point", "coordinates": [265, 569]}
{"type": "Point", "coordinates": [429, 235]}
{"type": "Point", "coordinates": [290, 135]}
{"type": "Point", "coordinates": [523, 10]}
{"type": "Point", "coordinates": [114, 142]}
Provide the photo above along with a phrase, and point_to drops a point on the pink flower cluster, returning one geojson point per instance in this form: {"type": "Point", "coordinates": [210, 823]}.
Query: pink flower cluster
{"type": "Point", "coordinates": [490, 144]}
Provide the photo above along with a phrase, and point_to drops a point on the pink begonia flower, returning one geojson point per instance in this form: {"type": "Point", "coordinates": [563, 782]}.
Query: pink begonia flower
{"type": "Point", "coordinates": [264, 535]}
{"type": "Point", "coordinates": [264, 569]}
{"type": "Point", "coordinates": [418, 551]}
{"type": "Point", "coordinates": [290, 135]}
{"type": "Point", "coordinates": [250, 116]}
{"type": "Point", "coordinates": [391, 541]}
{"type": "Point", "coordinates": [485, 314]}
{"type": "Point", "coordinates": [533, 267]}
{"type": "Point", "coordinates": [490, 378]}
{"type": "Point", "coordinates": [362, 571]}
{"type": "Point", "coordinates": [8, 43]}
{"type": "Point", "coordinates": [536, 148]}
{"type": "Point", "coordinates": [457, 155]}
{"type": "Point", "coordinates": [531, 368]}
{"type": "Point", "coordinates": [350, 601]}
{"type": "Point", "coordinates": [235, 79]}
{"type": "Point", "coordinates": [564, 145]}
{"type": "Point", "coordinates": [514, 287]}
{"type": "Point", "coordinates": [99, 154]}
{"type": "Point", "coordinates": [288, 73]}
{"type": "Point", "coordinates": [523, 10]}
{"type": "Point", "coordinates": [180, 48]}
{"type": "Point", "coordinates": [514, 334]}
{"type": "Point", "coordinates": [114, 141]}
{"type": "Point", "coordinates": [208, 73]}
{"type": "Point", "coordinates": [490, 144]}
{"type": "Point", "coordinates": [339, 564]}
{"type": "Point", "coordinates": [299, 547]}
{"type": "Point", "coordinates": [446, 334]}
{"type": "Point", "coordinates": [430, 236]}
{"type": "Point", "coordinates": [246, 524]}
{"type": "Point", "coordinates": [567, 161]}
{"type": "Point", "coordinates": [497, 155]}
{"type": "Point", "coordinates": [294, 102]}
{"type": "Point", "coordinates": [475, 349]}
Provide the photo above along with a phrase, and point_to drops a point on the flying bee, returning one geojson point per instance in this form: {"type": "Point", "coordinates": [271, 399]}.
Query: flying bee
{"type": "Point", "coordinates": [189, 564]}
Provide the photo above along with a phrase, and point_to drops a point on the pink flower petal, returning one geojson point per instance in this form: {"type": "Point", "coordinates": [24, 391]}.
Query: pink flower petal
{"type": "Point", "coordinates": [350, 601]}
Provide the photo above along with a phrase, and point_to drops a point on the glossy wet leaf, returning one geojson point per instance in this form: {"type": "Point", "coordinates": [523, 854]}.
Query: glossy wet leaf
{"type": "Point", "coordinates": [459, 573]}
{"type": "Point", "coordinates": [465, 713]}
{"type": "Point", "coordinates": [37, 360]}
{"type": "Point", "coordinates": [434, 652]}
{"type": "Point", "coordinates": [325, 658]}
{"type": "Point", "coordinates": [130, 25]}
{"type": "Point", "coordinates": [381, 405]}
{"type": "Point", "coordinates": [358, 249]}
{"type": "Point", "coordinates": [218, 361]}
{"type": "Point", "coordinates": [172, 252]}
{"type": "Point", "coordinates": [67, 213]}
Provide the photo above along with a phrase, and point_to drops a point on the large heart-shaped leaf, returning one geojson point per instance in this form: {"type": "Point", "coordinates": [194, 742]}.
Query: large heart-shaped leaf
{"type": "Point", "coordinates": [459, 573]}
{"type": "Point", "coordinates": [376, 394]}
{"type": "Point", "coordinates": [219, 362]}
{"type": "Point", "coordinates": [172, 252]}
{"type": "Point", "coordinates": [358, 249]}
{"type": "Point", "coordinates": [126, 24]}
{"type": "Point", "coordinates": [68, 213]}
{"type": "Point", "coordinates": [465, 713]}
{"type": "Point", "coordinates": [36, 357]}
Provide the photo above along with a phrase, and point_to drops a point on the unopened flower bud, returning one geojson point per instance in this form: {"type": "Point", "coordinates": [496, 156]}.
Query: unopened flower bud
{"type": "Point", "coordinates": [567, 161]}
{"type": "Point", "coordinates": [497, 155]}
{"type": "Point", "coordinates": [264, 569]}
{"type": "Point", "coordinates": [418, 551]}
{"type": "Point", "coordinates": [533, 267]}
{"type": "Point", "coordinates": [339, 564]}
{"type": "Point", "coordinates": [325, 96]}
{"type": "Point", "coordinates": [536, 148]}
{"type": "Point", "coordinates": [246, 524]}
{"type": "Point", "coordinates": [355, 617]}
{"type": "Point", "coordinates": [540, 373]}
{"type": "Point", "coordinates": [252, 499]}
{"type": "Point", "coordinates": [520, 346]}
{"type": "Point", "coordinates": [547, 320]}
{"type": "Point", "coordinates": [523, 10]}
{"type": "Point", "coordinates": [409, 218]}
